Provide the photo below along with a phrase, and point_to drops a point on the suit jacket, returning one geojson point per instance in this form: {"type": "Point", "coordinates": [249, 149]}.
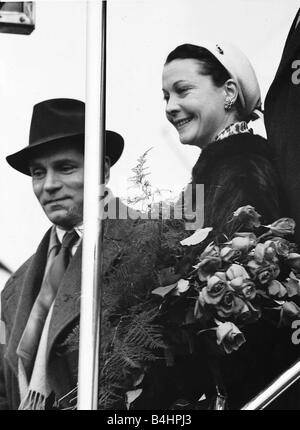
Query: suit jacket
{"type": "Point", "coordinates": [282, 115]}
{"type": "Point", "coordinates": [18, 297]}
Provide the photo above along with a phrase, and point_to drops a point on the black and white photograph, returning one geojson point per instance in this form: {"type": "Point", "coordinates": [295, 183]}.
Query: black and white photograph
{"type": "Point", "coordinates": [150, 216]}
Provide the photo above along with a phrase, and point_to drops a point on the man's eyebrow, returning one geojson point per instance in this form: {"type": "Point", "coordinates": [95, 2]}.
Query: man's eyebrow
{"type": "Point", "coordinates": [39, 163]}
{"type": "Point", "coordinates": [65, 160]}
{"type": "Point", "coordinates": [35, 163]}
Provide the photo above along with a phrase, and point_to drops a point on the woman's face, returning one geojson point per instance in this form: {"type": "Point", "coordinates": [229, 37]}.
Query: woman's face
{"type": "Point", "coordinates": [194, 105]}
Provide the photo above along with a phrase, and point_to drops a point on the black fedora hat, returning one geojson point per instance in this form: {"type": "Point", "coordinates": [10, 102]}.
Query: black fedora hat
{"type": "Point", "coordinates": [55, 121]}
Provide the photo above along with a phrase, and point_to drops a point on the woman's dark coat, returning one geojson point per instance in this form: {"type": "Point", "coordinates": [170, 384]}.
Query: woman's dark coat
{"type": "Point", "coordinates": [235, 171]}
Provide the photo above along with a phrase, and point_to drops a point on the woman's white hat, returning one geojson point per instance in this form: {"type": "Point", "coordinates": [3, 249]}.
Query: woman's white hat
{"type": "Point", "coordinates": [240, 69]}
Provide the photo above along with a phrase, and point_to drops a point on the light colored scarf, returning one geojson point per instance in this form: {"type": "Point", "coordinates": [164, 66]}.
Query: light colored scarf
{"type": "Point", "coordinates": [35, 393]}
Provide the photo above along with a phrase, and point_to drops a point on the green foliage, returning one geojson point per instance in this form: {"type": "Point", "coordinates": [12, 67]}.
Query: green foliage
{"type": "Point", "coordinates": [131, 338]}
{"type": "Point", "coordinates": [147, 198]}
{"type": "Point", "coordinates": [142, 331]}
{"type": "Point", "coordinates": [135, 341]}
{"type": "Point", "coordinates": [140, 182]}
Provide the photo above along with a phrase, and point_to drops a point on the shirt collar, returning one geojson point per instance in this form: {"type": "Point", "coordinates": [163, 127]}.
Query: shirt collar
{"type": "Point", "coordinates": [60, 232]}
{"type": "Point", "coordinates": [108, 195]}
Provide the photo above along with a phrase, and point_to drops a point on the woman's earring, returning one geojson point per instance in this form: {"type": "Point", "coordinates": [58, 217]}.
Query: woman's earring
{"type": "Point", "coordinates": [228, 103]}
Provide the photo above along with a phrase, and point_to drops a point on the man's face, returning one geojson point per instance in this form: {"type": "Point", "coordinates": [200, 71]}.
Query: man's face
{"type": "Point", "coordinates": [57, 179]}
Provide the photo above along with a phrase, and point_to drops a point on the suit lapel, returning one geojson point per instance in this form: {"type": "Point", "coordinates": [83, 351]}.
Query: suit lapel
{"type": "Point", "coordinates": [31, 284]}
{"type": "Point", "coordinates": [67, 303]}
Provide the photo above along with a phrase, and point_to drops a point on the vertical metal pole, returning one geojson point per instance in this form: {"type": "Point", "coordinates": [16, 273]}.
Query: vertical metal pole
{"type": "Point", "coordinates": [94, 155]}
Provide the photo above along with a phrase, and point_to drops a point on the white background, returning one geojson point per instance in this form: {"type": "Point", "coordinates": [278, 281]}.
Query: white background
{"type": "Point", "coordinates": [51, 63]}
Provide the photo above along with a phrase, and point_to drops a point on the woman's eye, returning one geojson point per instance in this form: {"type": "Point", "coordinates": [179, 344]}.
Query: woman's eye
{"type": "Point", "coordinates": [182, 90]}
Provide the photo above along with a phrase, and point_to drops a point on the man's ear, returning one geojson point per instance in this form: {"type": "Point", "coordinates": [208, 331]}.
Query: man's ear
{"type": "Point", "coordinates": [231, 90]}
{"type": "Point", "coordinates": [107, 164]}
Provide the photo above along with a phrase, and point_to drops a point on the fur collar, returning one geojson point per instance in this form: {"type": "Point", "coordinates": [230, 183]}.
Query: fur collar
{"type": "Point", "coordinates": [237, 144]}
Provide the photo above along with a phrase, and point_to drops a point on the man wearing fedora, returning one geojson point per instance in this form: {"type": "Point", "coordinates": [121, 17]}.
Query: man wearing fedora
{"type": "Point", "coordinates": [40, 302]}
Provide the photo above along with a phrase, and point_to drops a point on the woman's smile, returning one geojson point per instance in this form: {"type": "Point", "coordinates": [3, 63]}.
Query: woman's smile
{"type": "Point", "coordinates": [181, 123]}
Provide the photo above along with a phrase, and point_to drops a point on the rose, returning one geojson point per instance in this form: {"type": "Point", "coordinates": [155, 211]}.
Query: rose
{"type": "Point", "coordinates": [248, 216]}
{"type": "Point", "coordinates": [275, 270]}
{"type": "Point", "coordinates": [289, 312]}
{"type": "Point", "coordinates": [230, 305]}
{"type": "Point", "coordinates": [208, 266]}
{"type": "Point", "coordinates": [230, 337]}
{"type": "Point", "coordinates": [237, 282]}
{"type": "Point", "coordinates": [244, 240]}
{"type": "Point", "coordinates": [247, 289]}
{"type": "Point", "coordinates": [282, 246]}
{"type": "Point", "coordinates": [239, 277]}
{"type": "Point", "coordinates": [265, 251]}
{"type": "Point", "coordinates": [209, 262]}
{"type": "Point", "coordinates": [210, 251]}
{"type": "Point", "coordinates": [241, 243]}
{"type": "Point", "coordinates": [259, 252]}
{"type": "Point", "coordinates": [283, 227]}
{"type": "Point", "coordinates": [248, 234]}
{"type": "Point", "coordinates": [276, 290]}
{"type": "Point", "coordinates": [236, 271]}
{"type": "Point", "coordinates": [270, 253]}
{"type": "Point", "coordinates": [264, 275]}
{"type": "Point", "coordinates": [215, 290]}
{"type": "Point", "coordinates": [227, 253]}
{"type": "Point", "coordinates": [292, 285]}
{"type": "Point", "coordinates": [221, 275]}
{"type": "Point", "coordinates": [293, 260]}
{"type": "Point", "coordinates": [253, 267]}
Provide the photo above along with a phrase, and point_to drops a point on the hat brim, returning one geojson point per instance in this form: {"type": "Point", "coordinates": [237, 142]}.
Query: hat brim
{"type": "Point", "coordinates": [21, 160]}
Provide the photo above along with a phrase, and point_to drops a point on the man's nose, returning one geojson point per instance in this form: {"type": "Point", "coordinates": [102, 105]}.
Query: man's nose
{"type": "Point", "coordinates": [51, 182]}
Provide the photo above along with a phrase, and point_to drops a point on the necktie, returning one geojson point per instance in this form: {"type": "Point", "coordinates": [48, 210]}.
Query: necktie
{"type": "Point", "coordinates": [61, 261]}
{"type": "Point", "coordinates": [31, 336]}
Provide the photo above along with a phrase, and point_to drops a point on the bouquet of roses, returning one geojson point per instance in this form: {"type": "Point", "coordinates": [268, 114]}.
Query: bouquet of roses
{"type": "Point", "coordinates": [253, 272]}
